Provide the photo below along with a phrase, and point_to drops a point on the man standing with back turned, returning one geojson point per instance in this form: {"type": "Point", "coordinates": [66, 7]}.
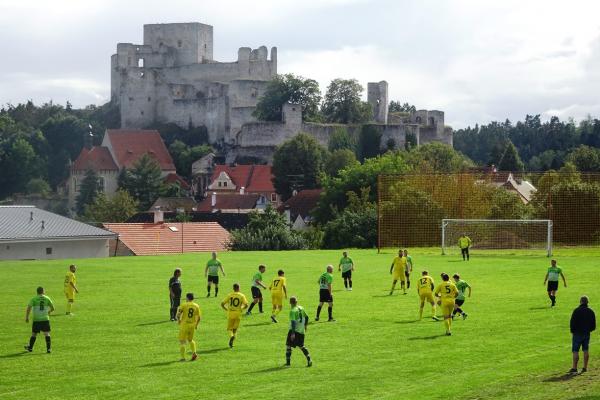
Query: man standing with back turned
{"type": "Point", "coordinates": [42, 306]}
{"type": "Point", "coordinates": [583, 321]}
{"type": "Point", "coordinates": [464, 242]}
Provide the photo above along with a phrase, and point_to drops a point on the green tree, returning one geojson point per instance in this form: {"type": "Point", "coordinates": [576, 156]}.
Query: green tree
{"type": "Point", "coordinates": [396, 106]}
{"type": "Point", "coordinates": [18, 163]}
{"type": "Point", "coordinates": [507, 205]}
{"type": "Point", "coordinates": [88, 191]}
{"type": "Point", "coordinates": [356, 226]}
{"type": "Point", "coordinates": [119, 208]}
{"type": "Point", "coordinates": [343, 103]}
{"type": "Point", "coordinates": [184, 156]}
{"type": "Point", "coordinates": [338, 160]}
{"type": "Point", "coordinates": [38, 186]}
{"type": "Point", "coordinates": [437, 157]}
{"type": "Point", "coordinates": [585, 158]}
{"type": "Point", "coordinates": [506, 157]}
{"type": "Point", "coordinates": [369, 142]}
{"type": "Point", "coordinates": [289, 88]}
{"type": "Point", "coordinates": [297, 164]}
{"type": "Point", "coordinates": [143, 181]}
{"type": "Point", "coordinates": [341, 139]}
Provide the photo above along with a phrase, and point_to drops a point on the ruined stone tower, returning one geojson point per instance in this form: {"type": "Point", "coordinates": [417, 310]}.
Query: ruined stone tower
{"type": "Point", "coordinates": [377, 96]}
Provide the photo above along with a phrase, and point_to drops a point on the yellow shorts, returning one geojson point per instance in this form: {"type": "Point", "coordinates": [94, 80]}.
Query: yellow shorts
{"type": "Point", "coordinates": [233, 322]}
{"type": "Point", "coordinates": [447, 307]}
{"type": "Point", "coordinates": [426, 297]}
{"type": "Point", "coordinates": [70, 294]}
{"type": "Point", "coordinates": [186, 332]}
{"type": "Point", "coordinates": [399, 276]}
{"type": "Point", "coordinates": [277, 299]}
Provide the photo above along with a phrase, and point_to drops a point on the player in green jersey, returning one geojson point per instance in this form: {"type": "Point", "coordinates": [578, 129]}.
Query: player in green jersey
{"type": "Point", "coordinates": [212, 273]}
{"type": "Point", "coordinates": [461, 286]}
{"type": "Point", "coordinates": [42, 307]}
{"type": "Point", "coordinates": [554, 271]}
{"type": "Point", "coordinates": [409, 268]}
{"type": "Point", "coordinates": [325, 295]}
{"type": "Point", "coordinates": [295, 336]}
{"type": "Point", "coordinates": [346, 265]}
{"type": "Point", "coordinates": [257, 283]}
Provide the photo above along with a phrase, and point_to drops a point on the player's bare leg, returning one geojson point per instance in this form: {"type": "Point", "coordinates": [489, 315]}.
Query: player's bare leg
{"type": "Point", "coordinates": [421, 310]}
{"type": "Point", "coordinates": [433, 316]}
{"type": "Point", "coordinates": [586, 358]}
{"type": "Point", "coordinates": [182, 344]}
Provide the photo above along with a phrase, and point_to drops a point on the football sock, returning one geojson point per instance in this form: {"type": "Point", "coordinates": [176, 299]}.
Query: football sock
{"type": "Point", "coordinates": [260, 309]}
{"type": "Point", "coordinates": [69, 307]}
{"type": "Point", "coordinates": [208, 289]}
{"type": "Point", "coordinates": [31, 342]}
{"type": "Point", "coordinates": [216, 291]}
{"type": "Point", "coordinates": [47, 342]}
{"type": "Point", "coordinates": [305, 351]}
{"type": "Point", "coordinates": [288, 355]}
{"type": "Point", "coordinates": [193, 346]}
{"type": "Point", "coordinates": [421, 313]}
{"type": "Point", "coordinates": [346, 283]}
{"type": "Point", "coordinates": [330, 311]}
{"type": "Point", "coordinates": [447, 323]}
{"type": "Point", "coordinates": [251, 307]}
{"type": "Point", "coordinates": [350, 283]}
{"type": "Point", "coordinates": [319, 311]}
{"type": "Point", "coordinates": [182, 350]}
{"type": "Point", "coordinates": [408, 284]}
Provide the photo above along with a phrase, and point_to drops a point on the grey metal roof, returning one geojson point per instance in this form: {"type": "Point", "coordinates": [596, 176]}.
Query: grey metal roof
{"type": "Point", "coordinates": [25, 223]}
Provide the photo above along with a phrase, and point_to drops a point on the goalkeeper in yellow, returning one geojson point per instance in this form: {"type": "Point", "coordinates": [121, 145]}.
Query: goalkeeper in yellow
{"type": "Point", "coordinates": [188, 318]}
{"type": "Point", "coordinates": [447, 292]}
{"type": "Point", "coordinates": [278, 290]}
{"type": "Point", "coordinates": [70, 287]}
{"type": "Point", "coordinates": [425, 287]}
{"type": "Point", "coordinates": [398, 270]}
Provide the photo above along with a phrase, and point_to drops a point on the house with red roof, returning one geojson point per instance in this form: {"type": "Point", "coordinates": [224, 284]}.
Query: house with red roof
{"type": "Point", "coordinates": [298, 208]}
{"type": "Point", "coordinates": [120, 148]}
{"type": "Point", "coordinates": [244, 180]}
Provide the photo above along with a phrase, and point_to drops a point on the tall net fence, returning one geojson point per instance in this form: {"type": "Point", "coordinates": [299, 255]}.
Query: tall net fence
{"type": "Point", "coordinates": [411, 207]}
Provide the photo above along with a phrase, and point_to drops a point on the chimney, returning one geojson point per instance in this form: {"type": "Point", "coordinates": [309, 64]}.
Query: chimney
{"type": "Point", "coordinates": [158, 215]}
{"type": "Point", "coordinates": [242, 190]}
{"type": "Point", "coordinates": [213, 199]}
{"type": "Point", "coordinates": [31, 216]}
{"type": "Point", "coordinates": [43, 222]}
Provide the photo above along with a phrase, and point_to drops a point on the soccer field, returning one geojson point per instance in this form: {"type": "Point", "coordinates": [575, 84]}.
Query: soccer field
{"type": "Point", "coordinates": [121, 345]}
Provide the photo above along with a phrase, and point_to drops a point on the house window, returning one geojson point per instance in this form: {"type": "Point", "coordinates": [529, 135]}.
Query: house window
{"type": "Point", "coordinates": [273, 197]}
{"type": "Point", "coordinates": [149, 98]}
{"type": "Point", "coordinates": [101, 184]}
{"type": "Point", "coordinates": [48, 251]}
{"type": "Point", "coordinates": [224, 184]}
{"type": "Point", "coordinates": [219, 184]}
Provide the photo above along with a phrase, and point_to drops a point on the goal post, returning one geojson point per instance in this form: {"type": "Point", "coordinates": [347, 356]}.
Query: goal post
{"type": "Point", "coordinates": [499, 233]}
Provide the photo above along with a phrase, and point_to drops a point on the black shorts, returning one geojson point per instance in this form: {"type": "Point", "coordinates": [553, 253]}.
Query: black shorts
{"type": "Point", "coordinates": [214, 279]}
{"type": "Point", "coordinates": [552, 286]}
{"type": "Point", "coordinates": [40, 326]}
{"type": "Point", "coordinates": [298, 339]}
{"type": "Point", "coordinates": [580, 342]}
{"type": "Point", "coordinates": [256, 294]}
{"type": "Point", "coordinates": [325, 296]}
{"type": "Point", "coordinates": [347, 274]}
{"type": "Point", "coordinates": [458, 302]}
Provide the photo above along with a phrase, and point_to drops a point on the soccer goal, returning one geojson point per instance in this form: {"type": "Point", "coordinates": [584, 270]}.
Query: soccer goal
{"type": "Point", "coordinates": [534, 234]}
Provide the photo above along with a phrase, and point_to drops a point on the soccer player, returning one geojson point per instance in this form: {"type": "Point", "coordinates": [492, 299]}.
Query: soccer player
{"type": "Point", "coordinates": [447, 292]}
{"type": "Point", "coordinates": [278, 290]}
{"type": "Point", "coordinates": [175, 293]}
{"type": "Point", "coordinates": [409, 268]}
{"type": "Point", "coordinates": [70, 288]}
{"type": "Point", "coordinates": [257, 283]}
{"type": "Point", "coordinates": [464, 242]}
{"type": "Point", "coordinates": [552, 275]}
{"type": "Point", "coordinates": [325, 296]}
{"type": "Point", "coordinates": [234, 304]}
{"type": "Point", "coordinates": [212, 273]}
{"type": "Point", "coordinates": [346, 265]}
{"type": "Point", "coordinates": [425, 287]}
{"type": "Point", "coordinates": [461, 286]}
{"type": "Point", "coordinates": [397, 269]}
{"type": "Point", "coordinates": [188, 318]}
{"type": "Point", "coordinates": [42, 307]}
{"type": "Point", "coordinates": [295, 336]}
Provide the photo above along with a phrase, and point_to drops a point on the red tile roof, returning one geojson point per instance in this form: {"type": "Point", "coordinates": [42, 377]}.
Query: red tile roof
{"type": "Point", "coordinates": [302, 203]}
{"type": "Point", "coordinates": [226, 201]}
{"type": "Point", "coordinates": [130, 144]}
{"type": "Point", "coordinates": [97, 158]}
{"type": "Point", "coordinates": [147, 239]}
{"type": "Point", "coordinates": [174, 178]}
{"type": "Point", "coordinates": [254, 178]}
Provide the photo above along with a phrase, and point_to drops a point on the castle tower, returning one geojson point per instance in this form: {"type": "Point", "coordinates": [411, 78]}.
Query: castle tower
{"type": "Point", "coordinates": [377, 96]}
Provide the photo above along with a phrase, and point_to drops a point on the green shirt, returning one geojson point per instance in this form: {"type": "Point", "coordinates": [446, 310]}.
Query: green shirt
{"type": "Point", "coordinates": [325, 280]}
{"type": "Point", "coordinates": [213, 267]}
{"type": "Point", "coordinates": [257, 277]}
{"type": "Point", "coordinates": [553, 273]}
{"type": "Point", "coordinates": [462, 287]}
{"type": "Point", "coordinates": [40, 305]}
{"type": "Point", "coordinates": [298, 315]}
{"type": "Point", "coordinates": [409, 261]}
{"type": "Point", "coordinates": [346, 263]}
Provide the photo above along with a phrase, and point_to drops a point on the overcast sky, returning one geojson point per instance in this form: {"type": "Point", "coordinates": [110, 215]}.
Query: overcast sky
{"type": "Point", "coordinates": [476, 60]}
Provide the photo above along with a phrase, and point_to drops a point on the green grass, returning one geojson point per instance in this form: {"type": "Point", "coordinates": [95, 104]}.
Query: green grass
{"type": "Point", "coordinates": [120, 344]}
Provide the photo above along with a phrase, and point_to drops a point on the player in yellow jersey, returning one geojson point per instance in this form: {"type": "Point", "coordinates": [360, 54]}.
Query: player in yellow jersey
{"type": "Point", "coordinates": [447, 292]}
{"type": "Point", "coordinates": [398, 271]}
{"type": "Point", "coordinates": [425, 287]}
{"type": "Point", "coordinates": [70, 287]}
{"type": "Point", "coordinates": [234, 304]}
{"type": "Point", "coordinates": [188, 318]}
{"type": "Point", "coordinates": [278, 290]}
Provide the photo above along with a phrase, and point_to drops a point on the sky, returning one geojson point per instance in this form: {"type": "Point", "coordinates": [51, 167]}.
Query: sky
{"type": "Point", "coordinates": [476, 60]}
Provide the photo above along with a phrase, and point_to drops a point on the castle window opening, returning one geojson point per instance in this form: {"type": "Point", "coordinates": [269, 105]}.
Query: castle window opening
{"type": "Point", "coordinates": [273, 197]}
{"type": "Point", "coordinates": [141, 63]}
{"type": "Point", "coordinates": [141, 112]}
{"type": "Point", "coordinates": [131, 99]}
{"type": "Point", "coordinates": [431, 121]}
{"type": "Point", "coordinates": [149, 98]}
{"type": "Point", "coordinates": [418, 119]}
{"type": "Point", "coordinates": [141, 74]}
{"type": "Point", "coordinates": [179, 43]}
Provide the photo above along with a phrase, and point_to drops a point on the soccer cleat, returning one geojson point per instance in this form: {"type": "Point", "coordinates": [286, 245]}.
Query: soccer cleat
{"type": "Point", "coordinates": [287, 365]}
{"type": "Point", "coordinates": [29, 349]}
{"type": "Point", "coordinates": [464, 315]}
{"type": "Point", "coordinates": [435, 318]}
{"type": "Point", "coordinates": [309, 363]}
{"type": "Point", "coordinates": [248, 313]}
{"type": "Point", "coordinates": [583, 370]}
{"type": "Point", "coordinates": [273, 318]}
{"type": "Point", "coordinates": [391, 292]}
{"type": "Point", "coordinates": [48, 351]}
{"type": "Point", "coordinates": [317, 318]}
{"type": "Point", "coordinates": [350, 289]}
{"type": "Point", "coordinates": [573, 371]}
{"type": "Point", "coordinates": [331, 320]}
{"type": "Point", "coordinates": [208, 295]}
{"type": "Point", "coordinates": [182, 359]}
{"type": "Point", "coordinates": [194, 357]}
{"type": "Point", "coordinates": [448, 333]}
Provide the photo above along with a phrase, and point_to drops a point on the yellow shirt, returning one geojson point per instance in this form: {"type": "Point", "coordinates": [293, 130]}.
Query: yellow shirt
{"type": "Point", "coordinates": [189, 313]}
{"type": "Point", "coordinates": [425, 284]}
{"type": "Point", "coordinates": [464, 242]}
{"type": "Point", "coordinates": [234, 302]}
{"type": "Point", "coordinates": [276, 286]}
{"type": "Point", "coordinates": [70, 278]}
{"type": "Point", "coordinates": [400, 264]}
{"type": "Point", "coordinates": [447, 291]}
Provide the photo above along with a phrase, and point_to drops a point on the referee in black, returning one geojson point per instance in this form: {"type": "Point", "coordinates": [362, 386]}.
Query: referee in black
{"type": "Point", "coordinates": [175, 293]}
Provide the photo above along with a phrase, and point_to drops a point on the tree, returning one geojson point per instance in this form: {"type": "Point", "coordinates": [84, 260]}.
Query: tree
{"type": "Point", "coordinates": [143, 181]}
{"type": "Point", "coordinates": [343, 103]}
{"type": "Point", "coordinates": [396, 106]}
{"type": "Point", "coordinates": [356, 226]}
{"type": "Point", "coordinates": [184, 156]}
{"type": "Point", "coordinates": [289, 88]}
{"type": "Point", "coordinates": [338, 160]}
{"type": "Point", "coordinates": [18, 162]}
{"type": "Point", "coordinates": [38, 186]}
{"type": "Point", "coordinates": [586, 159]}
{"type": "Point", "coordinates": [369, 142]}
{"type": "Point", "coordinates": [506, 158]}
{"type": "Point", "coordinates": [119, 208]}
{"type": "Point", "coordinates": [507, 205]}
{"type": "Point", "coordinates": [437, 157]}
{"type": "Point", "coordinates": [88, 191]}
{"type": "Point", "coordinates": [341, 139]}
{"type": "Point", "coordinates": [297, 164]}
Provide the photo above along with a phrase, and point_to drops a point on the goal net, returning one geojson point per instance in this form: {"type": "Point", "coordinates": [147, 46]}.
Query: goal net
{"type": "Point", "coordinates": [498, 234]}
